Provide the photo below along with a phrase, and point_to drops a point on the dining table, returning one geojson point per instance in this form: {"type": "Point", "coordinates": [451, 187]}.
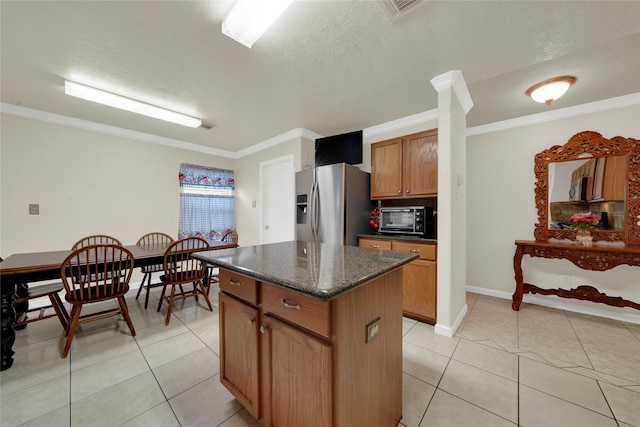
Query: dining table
{"type": "Point", "coordinates": [25, 268]}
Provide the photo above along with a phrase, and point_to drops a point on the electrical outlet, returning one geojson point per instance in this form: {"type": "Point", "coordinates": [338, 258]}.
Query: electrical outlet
{"type": "Point", "coordinates": [372, 330]}
{"type": "Point", "coordinates": [34, 209]}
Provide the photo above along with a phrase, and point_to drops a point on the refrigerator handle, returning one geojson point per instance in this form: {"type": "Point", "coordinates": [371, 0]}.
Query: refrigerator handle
{"type": "Point", "coordinates": [314, 211]}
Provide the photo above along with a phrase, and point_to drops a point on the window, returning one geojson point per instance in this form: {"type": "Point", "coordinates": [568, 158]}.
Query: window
{"type": "Point", "coordinates": [207, 204]}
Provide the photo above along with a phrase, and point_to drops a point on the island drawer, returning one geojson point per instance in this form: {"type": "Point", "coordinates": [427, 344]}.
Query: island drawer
{"type": "Point", "coordinates": [298, 309]}
{"type": "Point", "coordinates": [424, 251]}
{"type": "Point", "coordinates": [238, 285]}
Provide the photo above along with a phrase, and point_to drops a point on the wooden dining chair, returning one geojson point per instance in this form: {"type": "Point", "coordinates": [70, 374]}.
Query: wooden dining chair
{"type": "Point", "coordinates": [230, 236]}
{"type": "Point", "coordinates": [24, 293]}
{"type": "Point", "coordinates": [95, 239]}
{"type": "Point", "coordinates": [180, 269]}
{"type": "Point", "coordinates": [94, 274]}
{"type": "Point", "coordinates": [152, 239]}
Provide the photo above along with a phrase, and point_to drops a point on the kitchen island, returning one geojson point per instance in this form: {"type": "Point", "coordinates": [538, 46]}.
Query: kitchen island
{"type": "Point", "coordinates": [311, 333]}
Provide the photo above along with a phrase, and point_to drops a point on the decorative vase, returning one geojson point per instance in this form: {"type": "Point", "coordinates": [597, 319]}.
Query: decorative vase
{"type": "Point", "coordinates": [584, 237]}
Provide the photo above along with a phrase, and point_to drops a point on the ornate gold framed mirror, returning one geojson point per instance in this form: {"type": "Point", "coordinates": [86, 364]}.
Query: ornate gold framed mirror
{"type": "Point", "coordinates": [594, 174]}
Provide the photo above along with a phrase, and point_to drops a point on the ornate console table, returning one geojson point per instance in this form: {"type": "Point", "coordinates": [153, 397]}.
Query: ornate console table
{"type": "Point", "coordinates": [595, 258]}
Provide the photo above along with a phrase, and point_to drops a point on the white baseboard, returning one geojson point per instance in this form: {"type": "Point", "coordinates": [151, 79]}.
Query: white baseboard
{"type": "Point", "coordinates": [449, 331]}
{"type": "Point", "coordinates": [576, 306]}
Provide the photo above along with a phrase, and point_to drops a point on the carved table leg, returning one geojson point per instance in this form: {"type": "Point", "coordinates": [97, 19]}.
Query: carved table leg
{"type": "Point", "coordinates": [7, 317]}
{"type": "Point", "coordinates": [517, 268]}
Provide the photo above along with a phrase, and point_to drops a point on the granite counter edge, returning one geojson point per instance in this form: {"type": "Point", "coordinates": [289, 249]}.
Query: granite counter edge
{"type": "Point", "coordinates": [322, 295]}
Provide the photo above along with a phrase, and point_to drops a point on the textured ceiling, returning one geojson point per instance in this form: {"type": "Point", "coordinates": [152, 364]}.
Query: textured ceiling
{"type": "Point", "coordinates": [327, 66]}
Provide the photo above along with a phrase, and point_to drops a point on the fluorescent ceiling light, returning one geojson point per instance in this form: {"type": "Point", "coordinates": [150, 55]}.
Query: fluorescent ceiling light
{"type": "Point", "coordinates": [249, 19]}
{"type": "Point", "coordinates": [549, 90]}
{"type": "Point", "coordinates": [117, 101]}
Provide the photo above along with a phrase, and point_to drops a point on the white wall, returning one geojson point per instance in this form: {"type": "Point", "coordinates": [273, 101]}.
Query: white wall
{"type": "Point", "coordinates": [86, 183]}
{"type": "Point", "coordinates": [247, 175]}
{"type": "Point", "coordinates": [501, 209]}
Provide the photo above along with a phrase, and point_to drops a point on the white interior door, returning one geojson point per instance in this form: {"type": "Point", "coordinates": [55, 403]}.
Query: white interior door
{"type": "Point", "coordinates": [277, 195]}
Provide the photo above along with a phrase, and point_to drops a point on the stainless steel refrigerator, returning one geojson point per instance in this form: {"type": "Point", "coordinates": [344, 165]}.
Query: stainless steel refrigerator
{"type": "Point", "coordinates": [332, 204]}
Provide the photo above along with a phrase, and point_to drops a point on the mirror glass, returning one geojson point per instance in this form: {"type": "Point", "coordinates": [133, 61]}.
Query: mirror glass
{"type": "Point", "coordinates": [588, 185]}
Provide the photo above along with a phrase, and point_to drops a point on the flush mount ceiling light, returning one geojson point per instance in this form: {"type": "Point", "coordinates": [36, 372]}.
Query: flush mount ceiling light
{"type": "Point", "coordinates": [128, 104]}
{"type": "Point", "coordinates": [249, 19]}
{"type": "Point", "coordinates": [549, 90]}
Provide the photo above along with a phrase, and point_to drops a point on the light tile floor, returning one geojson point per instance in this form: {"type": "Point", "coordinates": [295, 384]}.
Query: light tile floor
{"type": "Point", "coordinates": [537, 367]}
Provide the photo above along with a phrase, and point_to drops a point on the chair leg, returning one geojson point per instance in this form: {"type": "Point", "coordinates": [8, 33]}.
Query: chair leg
{"type": "Point", "coordinates": [164, 288]}
{"type": "Point", "coordinates": [173, 291]}
{"type": "Point", "coordinates": [125, 314]}
{"type": "Point", "coordinates": [204, 294]}
{"type": "Point", "coordinates": [58, 307]}
{"type": "Point", "coordinates": [73, 324]}
{"type": "Point", "coordinates": [195, 290]}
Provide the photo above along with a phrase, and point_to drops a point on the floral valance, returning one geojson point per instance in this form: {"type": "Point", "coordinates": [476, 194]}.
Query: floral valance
{"type": "Point", "coordinates": [201, 176]}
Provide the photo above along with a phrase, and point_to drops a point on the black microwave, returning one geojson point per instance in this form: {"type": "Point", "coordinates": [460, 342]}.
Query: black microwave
{"type": "Point", "coordinates": [411, 220]}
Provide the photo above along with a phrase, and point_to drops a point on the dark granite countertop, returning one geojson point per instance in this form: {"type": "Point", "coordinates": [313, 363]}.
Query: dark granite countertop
{"type": "Point", "coordinates": [318, 270]}
{"type": "Point", "coordinates": [403, 237]}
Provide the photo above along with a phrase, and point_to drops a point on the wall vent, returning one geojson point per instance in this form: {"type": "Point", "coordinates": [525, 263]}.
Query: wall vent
{"type": "Point", "coordinates": [398, 8]}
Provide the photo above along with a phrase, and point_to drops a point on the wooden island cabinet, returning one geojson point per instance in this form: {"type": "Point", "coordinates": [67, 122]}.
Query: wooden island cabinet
{"type": "Point", "coordinates": [419, 285]}
{"type": "Point", "coordinates": [301, 346]}
{"type": "Point", "coordinates": [405, 167]}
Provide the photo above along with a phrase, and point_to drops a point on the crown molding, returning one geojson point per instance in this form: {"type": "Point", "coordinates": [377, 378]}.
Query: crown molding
{"type": "Point", "coordinates": [455, 80]}
{"type": "Point", "coordinates": [443, 81]}
{"type": "Point", "coordinates": [278, 139]}
{"type": "Point", "coordinates": [402, 123]}
{"type": "Point", "coordinates": [562, 113]}
{"type": "Point", "coordinates": [45, 116]}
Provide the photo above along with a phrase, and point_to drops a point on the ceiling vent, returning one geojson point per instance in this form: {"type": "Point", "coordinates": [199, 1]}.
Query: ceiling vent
{"type": "Point", "coordinates": [397, 8]}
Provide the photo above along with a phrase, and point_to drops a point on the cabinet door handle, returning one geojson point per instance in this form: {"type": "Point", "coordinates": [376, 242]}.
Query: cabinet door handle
{"type": "Point", "coordinates": [375, 246]}
{"type": "Point", "coordinates": [263, 329]}
{"type": "Point", "coordinates": [251, 320]}
{"type": "Point", "coordinates": [407, 191]}
{"type": "Point", "coordinates": [399, 191]}
{"type": "Point", "coordinates": [286, 304]}
{"type": "Point", "coordinates": [415, 251]}
{"type": "Point", "coordinates": [234, 283]}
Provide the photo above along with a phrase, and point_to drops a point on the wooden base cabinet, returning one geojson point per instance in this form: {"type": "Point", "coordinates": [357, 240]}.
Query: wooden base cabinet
{"type": "Point", "coordinates": [298, 376]}
{"type": "Point", "coordinates": [239, 363]}
{"type": "Point", "coordinates": [293, 361]}
{"type": "Point", "coordinates": [419, 284]}
{"type": "Point", "coordinates": [419, 291]}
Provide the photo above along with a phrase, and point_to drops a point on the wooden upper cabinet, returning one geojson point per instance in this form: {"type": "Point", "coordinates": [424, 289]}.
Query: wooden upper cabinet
{"type": "Point", "coordinates": [421, 164]}
{"type": "Point", "coordinates": [405, 167]}
{"type": "Point", "coordinates": [606, 178]}
{"type": "Point", "coordinates": [614, 178]}
{"type": "Point", "coordinates": [386, 169]}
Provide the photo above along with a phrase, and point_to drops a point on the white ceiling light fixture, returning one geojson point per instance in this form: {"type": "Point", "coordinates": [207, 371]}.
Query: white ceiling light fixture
{"type": "Point", "coordinates": [549, 90]}
{"type": "Point", "coordinates": [249, 19]}
{"type": "Point", "coordinates": [96, 95]}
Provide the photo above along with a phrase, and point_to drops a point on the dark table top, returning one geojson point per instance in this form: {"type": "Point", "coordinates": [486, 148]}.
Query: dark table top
{"type": "Point", "coordinates": [34, 266]}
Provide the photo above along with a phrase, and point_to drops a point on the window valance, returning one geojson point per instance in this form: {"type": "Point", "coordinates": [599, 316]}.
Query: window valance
{"type": "Point", "coordinates": [203, 177]}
